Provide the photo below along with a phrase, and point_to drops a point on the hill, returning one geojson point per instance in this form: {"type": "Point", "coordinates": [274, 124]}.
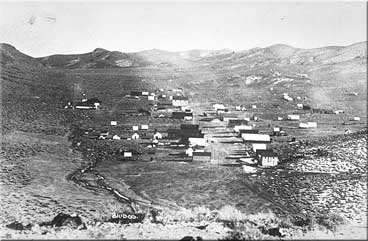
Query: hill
{"type": "Point", "coordinates": [99, 58]}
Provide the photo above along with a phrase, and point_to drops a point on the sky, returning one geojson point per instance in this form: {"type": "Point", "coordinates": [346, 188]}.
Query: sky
{"type": "Point", "coordinates": [46, 28]}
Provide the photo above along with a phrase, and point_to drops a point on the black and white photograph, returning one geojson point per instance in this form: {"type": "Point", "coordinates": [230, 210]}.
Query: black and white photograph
{"type": "Point", "coordinates": [183, 120]}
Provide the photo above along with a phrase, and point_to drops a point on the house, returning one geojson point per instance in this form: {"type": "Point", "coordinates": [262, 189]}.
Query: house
{"type": "Point", "coordinates": [188, 118]}
{"type": "Point", "coordinates": [267, 158]}
{"type": "Point", "coordinates": [157, 136]}
{"type": "Point", "coordinates": [221, 111]}
{"type": "Point", "coordinates": [308, 125]}
{"type": "Point", "coordinates": [202, 156]}
{"type": "Point", "coordinates": [238, 108]}
{"type": "Point", "coordinates": [92, 103]}
{"type": "Point", "coordinates": [181, 114]}
{"type": "Point", "coordinates": [293, 117]}
{"type": "Point", "coordinates": [189, 126]}
{"type": "Point", "coordinates": [127, 155]}
{"type": "Point", "coordinates": [259, 146]}
{"type": "Point", "coordinates": [184, 135]}
{"type": "Point", "coordinates": [228, 116]}
{"type": "Point", "coordinates": [312, 124]}
{"type": "Point", "coordinates": [303, 125]}
{"type": "Point", "coordinates": [180, 101]}
{"type": "Point", "coordinates": [256, 138]}
{"type": "Point", "coordinates": [189, 151]}
{"type": "Point", "coordinates": [194, 141]}
{"type": "Point", "coordinates": [116, 137]}
{"type": "Point", "coordinates": [219, 107]}
{"type": "Point", "coordinates": [135, 136]}
{"type": "Point", "coordinates": [276, 131]}
{"type": "Point", "coordinates": [135, 128]}
{"type": "Point", "coordinates": [279, 118]}
{"type": "Point", "coordinates": [287, 97]}
{"type": "Point", "coordinates": [299, 106]}
{"type": "Point", "coordinates": [254, 131]}
{"type": "Point", "coordinates": [337, 112]}
{"type": "Point", "coordinates": [242, 127]}
{"type": "Point", "coordinates": [145, 93]}
{"type": "Point", "coordinates": [113, 123]}
{"type": "Point", "coordinates": [249, 169]}
{"type": "Point", "coordinates": [151, 97]}
{"type": "Point", "coordinates": [356, 118]}
{"type": "Point", "coordinates": [254, 106]}
{"type": "Point", "coordinates": [144, 127]}
{"type": "Point", "coordinates": [135, 93]}
{"type": "Point", "coordinates": [237, 122]}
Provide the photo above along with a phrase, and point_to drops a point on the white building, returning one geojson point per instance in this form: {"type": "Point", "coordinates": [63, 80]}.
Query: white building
{"type": "Point", "coordinates": [113, 123]}
{"type": "Point", "coordinates": [157, 136]}
{"type": "Point", "coordinates": [194, 141]}
{"type": "Point", "coordinates": [219, 106]}
{"type": "Point", "coordinates": [259, 146]}
{"type": "Point", "coordinates": [116, 137]}
{"type": "Point", "coordinates": [256, 138]}
{"type": "Point", "coordinates": [135, 128]}
{"type": "Point", "coordinates": [144, 127]}
{"type": "Point", "coordinates": [299, 106]}
{"type": "Point", "coordinates": [242, 127]}
{"type": "Point", "coordinates": [135, 136]}
{"type": "Point", "coordinates": [293, 117]}
{"type": "Point", "coordinates": [189, 151]}
{"type": "Point", "coordinates": [180, 101]}
{"type": "Point", "coordinates": [151, 97]}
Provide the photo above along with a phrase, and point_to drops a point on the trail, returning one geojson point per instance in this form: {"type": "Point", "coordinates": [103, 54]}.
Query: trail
{"type": "Point", "coordinates": [101, 184]}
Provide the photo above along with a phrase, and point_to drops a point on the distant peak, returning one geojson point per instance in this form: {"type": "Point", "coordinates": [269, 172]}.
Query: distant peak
{"type": "Point", "coordinates": [100, 50]}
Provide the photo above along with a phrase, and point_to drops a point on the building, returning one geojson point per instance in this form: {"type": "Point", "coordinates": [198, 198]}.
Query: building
{"type": "Point", "coordinates": [144, 127]}
{"type": "Point", "coordinates": [113, 123]}
{"type": "Point", "coordinates": [135, 136]}
{"type": "Point", "coordinates": [151, 97]}
{"type": "Point", "coordinates": [228, 117]}
{"type": "Point", "coordinates": [135, 93]}
{"type": "Point", "coordinates": [356, 118]}
{"type": "Point", "coordinates": [157, 136]}
{"type": "Point", "coordinates": [242, 127]}
{"type": "Point", "coordinates": [299, 106]}
{"type": "Point", "coordinates": [249, 169]}
{"type": "Point", "coordinates": [116, 137]}
{"type": "Point", "coordinates": [237, 122]}
{"type": "Point", "coordinates": [201, 156]}
{"type": "Point", "coordinates": [293, 117]}
{"type": "Point", "coordinates": [252, 131]}
{"type": "Point", "coordinates": [180, 101]}
{"type": "Point", "coordinates": [135, 128]}
{"type": "Point", "coordinates": [259, 146]}
{"type": "Point", "coordinates": [184, 134]}
{"type": "Point", "coordinates": [267, 158]}
{"type": "Point", "coordinates": [189, 152]}
{"type": "Point", "coordinates": [92, 103]}
{"type": "Point", "coordinates": [219, 107]}
{"type": "Point", "coordinates": [256, 138]}
{"type": "Point", "coordinates": [181, 114]}
{"type": "Point", "coordinates": [337, 112]}
{"type": "Point", "coordinates": [189, 126]}
{"type": "Point", "coordinates": [194, 141]}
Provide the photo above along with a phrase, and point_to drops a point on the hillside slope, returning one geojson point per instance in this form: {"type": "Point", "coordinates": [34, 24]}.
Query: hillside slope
{"type": "Point", "coordinates": [99, 58]}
